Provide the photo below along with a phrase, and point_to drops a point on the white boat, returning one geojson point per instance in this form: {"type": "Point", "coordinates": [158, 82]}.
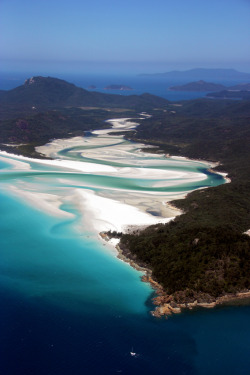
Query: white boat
{"type": "Point", "coordinates": [132, 353]}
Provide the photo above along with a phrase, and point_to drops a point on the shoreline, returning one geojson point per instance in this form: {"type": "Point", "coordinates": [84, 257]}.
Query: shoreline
{"type": "Point", "coordinates": [165, 304]}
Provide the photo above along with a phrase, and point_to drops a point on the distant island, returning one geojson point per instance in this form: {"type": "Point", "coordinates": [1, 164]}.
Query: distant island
{"type": "Point", "coordinates": [204, 74]}
{"type": "Point", "coordinates": [198, 86]}
{"type": "Point", "coordinates": [91, 87]}
{"type": "Point", "coordinates": [230, 94]}
{"type": "Point", "coordinates": [241, 87]}
{"type": "Point", "coordinates": [118, 87]}
{"type": "Point", "coordinates": [240, 91]}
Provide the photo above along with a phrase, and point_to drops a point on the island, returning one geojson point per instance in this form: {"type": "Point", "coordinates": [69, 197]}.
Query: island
{"type": "Point", "coordinates": [230, 94]}
{"type": "Point", "coordinates": [240, 87]}
{"type": "Point", "coordinates": [118, 87]}
{"type": "Point", "coordinates": [91, 87]}
{"type": "Point", "coordinates": [198, 86]}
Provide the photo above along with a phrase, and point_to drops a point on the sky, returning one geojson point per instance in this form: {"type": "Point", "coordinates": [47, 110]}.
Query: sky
{"type": "Point", "coordinates": [138, 35]}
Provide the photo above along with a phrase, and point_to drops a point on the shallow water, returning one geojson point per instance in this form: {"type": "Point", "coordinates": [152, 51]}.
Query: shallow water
{"type": "Point", "coordinates": [69, 306]}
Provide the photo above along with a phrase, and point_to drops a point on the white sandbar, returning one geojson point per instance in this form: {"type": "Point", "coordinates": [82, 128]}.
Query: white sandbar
{"type": "Point", "coordinates": [108, 214]}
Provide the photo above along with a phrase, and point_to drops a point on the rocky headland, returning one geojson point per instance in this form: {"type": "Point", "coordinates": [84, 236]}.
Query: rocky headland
{"type": "Point", "coordinates": [169, 304]}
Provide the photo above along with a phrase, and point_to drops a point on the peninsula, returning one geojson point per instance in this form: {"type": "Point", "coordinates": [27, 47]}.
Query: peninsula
{"type": "Point", "coordinates": [203, 256]}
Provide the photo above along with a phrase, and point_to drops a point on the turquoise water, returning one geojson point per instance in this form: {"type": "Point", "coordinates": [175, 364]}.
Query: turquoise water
{"type": "Point", "coordinates": [44, 258]}
{"type": "Point", "coordinates": [69, 306]}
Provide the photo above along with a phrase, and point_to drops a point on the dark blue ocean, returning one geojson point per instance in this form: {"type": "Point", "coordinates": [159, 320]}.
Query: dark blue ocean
{"type": "Point", "coordinates": [69, 307]}
{"type": "Point", "coordinates": [40, 339]}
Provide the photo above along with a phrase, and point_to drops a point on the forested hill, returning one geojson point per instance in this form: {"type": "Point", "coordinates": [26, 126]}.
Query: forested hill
{"type": "Point", "coordinates": [43, 93]}
{"type": "Point", "coordinates": [202, 254]}
{"type": "Point", "coordinates": [44, 108]}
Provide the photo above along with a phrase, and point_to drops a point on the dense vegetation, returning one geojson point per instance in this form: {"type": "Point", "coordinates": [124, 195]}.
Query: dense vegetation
{"type": "Point", "coordinates": [185, 256]}
{"type": "Point", "coordinates": [204, 250]}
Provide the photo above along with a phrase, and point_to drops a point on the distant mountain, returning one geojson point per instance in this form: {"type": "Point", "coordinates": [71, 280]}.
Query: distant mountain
{"type": "Point", "coordinates": [203, 74]}
{"type": "Point", "coordinates": [42, 93]}
{"type": "Point", "coordinates": [198, 86]}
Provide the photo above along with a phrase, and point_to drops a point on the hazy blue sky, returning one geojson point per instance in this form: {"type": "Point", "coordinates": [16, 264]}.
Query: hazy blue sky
{"type": "Point", "coordinates": [155, 34]}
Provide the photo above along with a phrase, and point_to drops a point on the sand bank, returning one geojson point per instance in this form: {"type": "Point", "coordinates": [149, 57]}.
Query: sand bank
{"type": "Point", "coordinates": [105, 214]}
{"type": "Point", "coordinates": [49, 203]}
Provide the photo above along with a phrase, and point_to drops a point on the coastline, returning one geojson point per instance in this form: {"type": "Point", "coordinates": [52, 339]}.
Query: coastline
{"type": "Point", "coordinates": [166, 304]}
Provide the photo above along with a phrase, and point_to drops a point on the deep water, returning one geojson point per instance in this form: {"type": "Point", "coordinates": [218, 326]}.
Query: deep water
{"type": "Point", "coordinates": [37, 338]}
